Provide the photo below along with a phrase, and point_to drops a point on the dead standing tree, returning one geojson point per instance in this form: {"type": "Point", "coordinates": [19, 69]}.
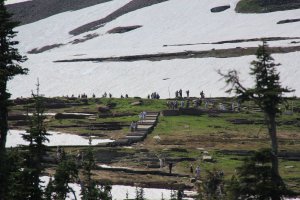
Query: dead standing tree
{"type": "Point", "coordinates": [267, 93]}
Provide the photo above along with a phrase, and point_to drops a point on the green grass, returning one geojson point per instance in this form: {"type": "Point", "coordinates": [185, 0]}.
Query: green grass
{"type": "Point", "coordinates": [190, 132]}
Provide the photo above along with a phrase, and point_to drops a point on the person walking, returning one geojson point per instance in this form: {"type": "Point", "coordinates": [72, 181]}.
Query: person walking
{"type": "Point", "coordinates": [197, 172]}
{"type": "Point", "coordinates": [170, 167]}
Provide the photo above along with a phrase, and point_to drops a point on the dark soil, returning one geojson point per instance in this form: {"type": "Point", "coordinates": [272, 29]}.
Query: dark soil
{"type": "Point", "coordinates": [123, 29]}
{"type": "Point", "coordinates": [130, 7]}
{"type": "Point", "coordinates": [45, 48]}
{"type": "Point", "coordinates": [267, 39]}
{"type": "Point", "coordinates": [219, 9]}
{"type": "Point", "coordinates": [220, 53]}
{"type": "Point", "coordinates": [288, 21]}
{"type": "Point", "coordinates": [32, 11]}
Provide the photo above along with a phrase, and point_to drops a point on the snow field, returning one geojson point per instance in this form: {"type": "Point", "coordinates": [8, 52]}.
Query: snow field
{"type": "Point", "coordinates": [119, 191]}
{"type": "Point", "coordinates": [14, 139]}
{"type": "Point", "coordinates": [144, 77]}
{"type": "Point", "coordinates": [171, 22]}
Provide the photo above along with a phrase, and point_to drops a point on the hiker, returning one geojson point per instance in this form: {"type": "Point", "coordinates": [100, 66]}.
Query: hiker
{"type": "Point", "coordinates": [206, 104]}
{"type": "Point", "coordinates": [188, 104]}
{"type": "Point", "coordinates": [126, 96]}
{"type": "Point", "coordinates": [187, 93]}
{"type": "Point", "coordinates": [79, 157]}
{"type": "Point", "coordinates": [110, 95]}
{"type": "Point", "coordinates": [122, 97]}
{"type": "Point", "coordinates": [191, 169]}
{"type": "Point", "coordinates": [132, 126]}
{"type": "Point", "coordinates": [176, 104]}
{"type": "Point", "coordinates": [182, 104]}
{"type": "Point", "coordinates": [148, 97]}
{"type": "Point", "coordinates": [161, 163]}
{"type": "Point", "coordinates": [170, 167]}
{"type": "Point", "coordinates": [197, 172]}
{"type": "Point", "coordinates": [144, 115]}
{"type": "Point", "coordinates": [180, 93]}
{"type": "Point", "coordinates": [176, 94]}
{"type": "Point", "coordinates": [202, 94]}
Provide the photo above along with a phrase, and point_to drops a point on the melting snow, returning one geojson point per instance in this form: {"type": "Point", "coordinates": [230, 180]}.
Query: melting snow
{"type": "Point", "coordinates": [14, 138]}
{"type": "Point", "coordinates": [168, 23]}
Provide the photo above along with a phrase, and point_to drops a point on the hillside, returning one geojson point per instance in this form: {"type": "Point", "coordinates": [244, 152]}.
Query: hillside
{"type": "Point", "coordinates": [138, 47]}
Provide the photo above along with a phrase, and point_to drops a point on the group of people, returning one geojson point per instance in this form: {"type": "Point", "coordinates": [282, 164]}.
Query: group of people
{"type": "Point", "coordinates": [197, 171]}
{"type": "Point", "coordinates": [170, 166]}
{"type": "Point", "coordinates": [142, 116]}
{"type": "Point", "coordinates": [134, 124]}
{"type": "Point", "coordinates": [184, 104]}
{"type": "Point", "coordinates": [178, 93]}
{"type": "Point", "coordinates": [105, 95]}
{"type": "Point", "coordinates": [126, 96]}
{"type": "Point", "coordinates": [153, 95]}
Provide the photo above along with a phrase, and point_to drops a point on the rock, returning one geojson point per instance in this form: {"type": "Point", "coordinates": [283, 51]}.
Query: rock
{"type": "Point", "coordinates": [192, 180]}
{"type": "Point", "coordinates": [289, 166]}
{"type": "Point", "coordinates": [207, 158]}
{"type": "Point", "coordinates": [219, 8]}
{"type": "Point", "coordinates": [103, 109]}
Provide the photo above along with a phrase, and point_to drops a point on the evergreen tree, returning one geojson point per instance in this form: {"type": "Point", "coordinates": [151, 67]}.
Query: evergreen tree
{"type": "Point", "coordinates": [36, 136]}
{"type": "Point", "coordinates": [90, 190]}
{"type": "Point", "coordinates": [15, 184]}
{"type": "Point", "coordinates": [254, 179]}
{"type": "Point", "coordinates": [173, 195]}
{"type": "Point", "coordinates": [267, 94]}
{"type": "Point", "coordinates": [139, 193]}
{"type": "Point", "coordinates": [49, 190]}
{"type": "Point", "coordinates": [65, 173]}
{"type": "Point", "coordinates": [212, 186]}
{"type": "Point", "coordinates": [9, 67]}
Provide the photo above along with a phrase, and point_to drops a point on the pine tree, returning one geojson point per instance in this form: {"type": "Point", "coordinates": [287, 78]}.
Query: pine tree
{"type": "Point", "coordinates": [254, 178]}
{"type": "Point", "coordinates": [267, 94]}
{"type": "Point", "coordinates": [36, 136]}
{"type": "Point", "coordinates": [65, 173]}
{"type": "Point", "coordinates": [212, 186]}
{"type": "Point", "coordinates": [90, 190]}
{"type": "Point", "coordinates": [15, 184]}
{"type": "Point", "coordinates": [49, 190]}
{"type": "Point", "coordinates": [139, 193]}
{"type": "Point", "coordinates": [9, 67]}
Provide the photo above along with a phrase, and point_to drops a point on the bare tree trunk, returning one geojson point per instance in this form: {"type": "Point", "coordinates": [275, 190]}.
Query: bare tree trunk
{"type": "Point", "coordinates": [3, 134]}
{"type": "Point", "coordinates": [271, 122]}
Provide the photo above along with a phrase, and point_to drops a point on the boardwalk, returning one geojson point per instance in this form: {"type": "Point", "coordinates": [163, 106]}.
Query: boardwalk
{"type": "Point", "coordinates": [144, 127]}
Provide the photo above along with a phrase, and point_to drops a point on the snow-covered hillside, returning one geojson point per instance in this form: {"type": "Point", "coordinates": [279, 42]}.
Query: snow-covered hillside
{"type": "Point", "coordinates": [168, 26]}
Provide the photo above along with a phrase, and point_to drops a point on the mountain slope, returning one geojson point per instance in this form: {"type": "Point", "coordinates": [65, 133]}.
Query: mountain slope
{"type": "Point", "coordinates": [164, 27]}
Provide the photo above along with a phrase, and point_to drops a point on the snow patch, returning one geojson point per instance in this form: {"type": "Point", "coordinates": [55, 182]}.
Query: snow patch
{"type": "Point", "coordinates": [14, 139]}
{"type": "Point", "coordinates": [7, 2]}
